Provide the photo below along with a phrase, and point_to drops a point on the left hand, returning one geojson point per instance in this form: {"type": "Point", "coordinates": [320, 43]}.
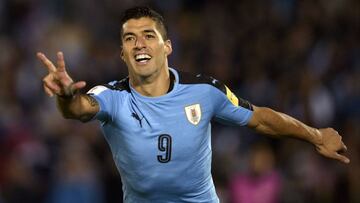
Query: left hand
{"type": "Point", "coordinates": [331, 145]}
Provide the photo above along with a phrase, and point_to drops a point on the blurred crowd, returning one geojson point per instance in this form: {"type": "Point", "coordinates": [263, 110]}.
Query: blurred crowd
{"type": "Point", "coordinates": [299, 57]}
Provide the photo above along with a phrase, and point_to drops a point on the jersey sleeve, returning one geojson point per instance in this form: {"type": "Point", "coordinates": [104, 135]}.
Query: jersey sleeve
{"type": "Point", "coordinates": [229, 108]}
{"type": "Point", "coordinates": [105, 98]}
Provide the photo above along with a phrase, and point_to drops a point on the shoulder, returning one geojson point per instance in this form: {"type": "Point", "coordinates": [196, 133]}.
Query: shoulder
{"type": "Point", "coordinates": [121, 85]}
{"type": "Point", "coordinates": [192, 79]}
{"type": "Point", "coordinates": [225, 92]}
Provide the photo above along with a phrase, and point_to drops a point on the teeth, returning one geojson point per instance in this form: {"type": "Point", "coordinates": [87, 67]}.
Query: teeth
{"type": "Point", "coordinates": [142, 57]}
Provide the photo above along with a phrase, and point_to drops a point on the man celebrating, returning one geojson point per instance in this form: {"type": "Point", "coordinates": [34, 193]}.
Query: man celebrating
{"type": "Point", "coordinates": [157, 120]}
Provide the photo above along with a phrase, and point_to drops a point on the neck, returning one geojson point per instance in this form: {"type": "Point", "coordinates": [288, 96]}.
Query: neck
{"type": "Point", "coordinates": [152, 86]}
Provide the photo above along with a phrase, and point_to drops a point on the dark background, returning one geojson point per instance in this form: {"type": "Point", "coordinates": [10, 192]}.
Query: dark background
{"type": "Point", "coordinates": [298, 57]}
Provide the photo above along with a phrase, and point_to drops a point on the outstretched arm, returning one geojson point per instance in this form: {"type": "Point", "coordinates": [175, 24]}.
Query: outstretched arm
{"type": "Point", "coordinates": [70, 103]}
{"type": "Point", "coordinates": [327, 141]}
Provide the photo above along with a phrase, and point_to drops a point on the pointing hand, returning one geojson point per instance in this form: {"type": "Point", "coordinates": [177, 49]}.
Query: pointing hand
{"type": "Point", "coordinates": [331, 145]}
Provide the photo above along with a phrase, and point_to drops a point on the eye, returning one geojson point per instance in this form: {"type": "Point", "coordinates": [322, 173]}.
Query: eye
{"type": "Point", "coordinates": [129, 38]}
{"type": "Point", "coordinates": [149, 36]}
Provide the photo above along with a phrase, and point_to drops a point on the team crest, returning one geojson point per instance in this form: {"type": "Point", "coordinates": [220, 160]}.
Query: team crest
{"type": "Point", "coordinates": [193, 113]}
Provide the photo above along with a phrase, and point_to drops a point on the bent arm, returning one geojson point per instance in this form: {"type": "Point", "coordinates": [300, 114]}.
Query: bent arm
{"type": "Point", "coordinates": [79, 106]}
{"type": "Point", "coordinates": [327, 141]}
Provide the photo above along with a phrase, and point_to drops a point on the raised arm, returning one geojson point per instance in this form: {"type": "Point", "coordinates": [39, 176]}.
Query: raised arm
{"type": "Point", "coordinates": [70, 103]}
{"type": "Point", "coordinates": [327, 141]}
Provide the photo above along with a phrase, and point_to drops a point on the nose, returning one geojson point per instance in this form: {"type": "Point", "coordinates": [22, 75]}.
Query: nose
{"type": "Point", "coordinates": [140, 43]}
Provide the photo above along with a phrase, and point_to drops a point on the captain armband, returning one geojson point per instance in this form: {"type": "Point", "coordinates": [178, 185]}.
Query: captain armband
{"type": "Point", "coordinates": [237, 101]}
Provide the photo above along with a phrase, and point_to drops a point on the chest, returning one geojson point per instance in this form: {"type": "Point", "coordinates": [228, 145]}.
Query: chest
{"type": "Point", "coordinates": [174, 115]}
{"type": "Point", "coordinates": [172, 129]}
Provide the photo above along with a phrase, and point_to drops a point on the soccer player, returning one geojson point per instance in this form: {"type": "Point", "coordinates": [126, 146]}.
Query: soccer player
{"type": "Point", "coordinates": [157, 120]}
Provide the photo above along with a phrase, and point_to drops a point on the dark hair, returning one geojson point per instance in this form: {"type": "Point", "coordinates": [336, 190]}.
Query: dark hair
{"type": "Point", "coordinates": [143, 11]}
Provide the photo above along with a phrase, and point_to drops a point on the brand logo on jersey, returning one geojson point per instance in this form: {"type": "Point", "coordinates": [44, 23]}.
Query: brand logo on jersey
{"type": "Point", "coordinates": [97, 90]}
{"type": "Point", "coordinates": [193, 113]}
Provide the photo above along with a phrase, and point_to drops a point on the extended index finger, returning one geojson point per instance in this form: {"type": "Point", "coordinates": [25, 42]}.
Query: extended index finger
{"type": "Point", "coordinates": [341, 158]}
{"type": "Point", "coordinates": [48, 64]}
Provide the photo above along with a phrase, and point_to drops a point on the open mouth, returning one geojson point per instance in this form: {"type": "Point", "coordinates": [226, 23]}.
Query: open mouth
{"type": "Point", "coordinates": [142, 58]}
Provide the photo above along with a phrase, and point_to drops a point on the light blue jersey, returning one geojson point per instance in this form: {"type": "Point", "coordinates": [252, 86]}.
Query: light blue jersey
{"type": "Point", "coordinates": [162, 145]}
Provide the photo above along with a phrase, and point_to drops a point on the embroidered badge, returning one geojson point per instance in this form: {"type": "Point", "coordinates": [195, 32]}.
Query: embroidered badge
{"type": "Point", "coordinates": [193, 113]}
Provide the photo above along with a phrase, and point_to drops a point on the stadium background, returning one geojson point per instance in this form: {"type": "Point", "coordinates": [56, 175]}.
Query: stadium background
{"type": "Point", "coordinates": [299, 57]}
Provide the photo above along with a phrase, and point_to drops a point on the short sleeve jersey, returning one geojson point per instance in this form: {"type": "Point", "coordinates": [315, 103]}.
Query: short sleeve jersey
{"type": "Point", "coordinates": [162, 145]}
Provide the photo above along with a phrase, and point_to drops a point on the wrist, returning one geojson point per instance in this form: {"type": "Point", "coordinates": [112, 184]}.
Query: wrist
{"type": "Point", "coordinates": [316, 137]}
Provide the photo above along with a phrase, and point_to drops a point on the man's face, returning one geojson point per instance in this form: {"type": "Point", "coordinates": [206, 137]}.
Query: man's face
{"type": "Point", "coordinates": [143, 49]}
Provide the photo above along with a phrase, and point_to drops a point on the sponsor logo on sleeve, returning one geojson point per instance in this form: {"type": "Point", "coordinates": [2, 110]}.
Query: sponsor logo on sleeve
{"type": "Point", "coordinates": [97, 90]}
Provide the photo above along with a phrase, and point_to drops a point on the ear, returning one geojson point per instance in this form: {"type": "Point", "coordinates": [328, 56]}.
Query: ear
{"type": "Point", "coordinates": [122, 53]}
{"type": "Point", "coordinates": [168, 47]}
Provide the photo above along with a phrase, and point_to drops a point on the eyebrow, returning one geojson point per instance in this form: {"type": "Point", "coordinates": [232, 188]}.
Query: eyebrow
{"type": "Point", "coordinates": [145, 31]}
{"type": "Point", "coordinates": [127, 33]}
{"type": "Point", "coordinates": [150, 31]}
